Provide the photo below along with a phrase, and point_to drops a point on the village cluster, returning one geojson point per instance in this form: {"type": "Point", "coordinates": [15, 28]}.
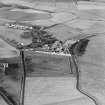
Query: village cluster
{"type": "Point", "coordinates": [57, 47]}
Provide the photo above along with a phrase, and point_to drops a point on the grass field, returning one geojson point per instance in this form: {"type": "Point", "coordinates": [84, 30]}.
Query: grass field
{"type": "Point", "coordinates": [92, 69]}
{"type": "Point", "coordinates": [13, 34]}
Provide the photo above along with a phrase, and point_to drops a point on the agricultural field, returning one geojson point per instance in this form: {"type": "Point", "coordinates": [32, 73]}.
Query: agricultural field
{"type": "Point", "coordinates": [58, 90]}
{"type": "Point", "coordinates": [49, 78]}
{"type": "Point", "coordinates": [92, 69]}
{"type": "Point", "coordinates": [46, 65]}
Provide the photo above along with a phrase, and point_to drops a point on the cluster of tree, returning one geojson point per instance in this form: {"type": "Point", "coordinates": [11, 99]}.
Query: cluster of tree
{"type": "Point", "coordinates": [80, 47]}
{"type": "Point", "coordinates": [40, 38]}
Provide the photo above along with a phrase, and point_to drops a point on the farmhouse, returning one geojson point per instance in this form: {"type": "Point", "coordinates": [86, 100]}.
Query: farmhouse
{"type": "Point", "coordinates": [21, 26]}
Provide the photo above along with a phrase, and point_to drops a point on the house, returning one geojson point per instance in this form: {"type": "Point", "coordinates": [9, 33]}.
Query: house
{"type": "Point", "coordinates": [21, 26]}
